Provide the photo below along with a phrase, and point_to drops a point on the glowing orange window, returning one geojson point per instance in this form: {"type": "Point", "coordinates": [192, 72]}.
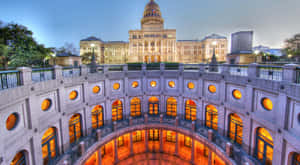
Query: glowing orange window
{"type": "Point", "coordinates": [96, 89]}
{"type": "Point", "coordinates": [153, 84]}
{"type": "Point", "coordinates": [171, 107]}
{"type": "Point", "coordinates": [97, 117]}
{"type": "Point", "coordinates": [117, 110]}
{"type": "Point", "coordinates": [73, 95]}
{"type": "Point", "coordinates": [153, 106]}
{"type": "Point", "coordinates": [116, 86]}
{"type": "Point", "coordinates": [171, 84]}
{"type": "Point", "coordinates": [75, 128]}
{"type": "Point", "coordinates": [191, 85]}
{"type": "Point", "coordinates": [237, 94]}
{"type": "Point", "coordinates": [190, 110]}
{"type": "Point", "coordinates": [211, 117]}
{"type": "Point", "coordinates": [212, 89]}
{"type": "Point", "coordinates": [12, 121]}
{"type": "Point", "coordinates": [267, 104]}
{"type": "Point", "coordinates": [135, 107]}
{"type": "Point", "coordinates": [46, 104]}
{"type": "Point", "coordinates": [236, 128]}
{"type": "Point", "coordinates": [135, 84]}
{"type": "Point", "coordinates": [49, 146]}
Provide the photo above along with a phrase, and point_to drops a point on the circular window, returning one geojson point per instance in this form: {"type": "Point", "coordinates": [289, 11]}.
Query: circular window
{"type": "Point", "coordinates": [12, 121]}
{"type": "Point", "coordinates": [135, 84]}
{"type": "Point", "coordinates": [191, 85]}
{"type": "Point", "coordinates": [153, 83]}
{"type": "Point", "coordinates": [116, 86]}
{"type": "Point", "coordinates": [171, 84]}
{"type": "Point", "coordinates": [96, 89]}
{"type": "Point", "coordinates": [46, 104]}
{"type": "Point", "coordinates": [237, 94]}
{"type": "Point", "coordinates": [212, 89]}
{"type": "Point", "coordinates": [73, 95]}
{"type": "Point", "coordinates": [267, 104]}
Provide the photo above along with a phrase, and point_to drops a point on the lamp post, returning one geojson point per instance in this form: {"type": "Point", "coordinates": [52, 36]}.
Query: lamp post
{"type": "Point", "coordinates": [256, 52]}
{"type": "Point", "coordinates": [93, 62]}
{"type": "Point", "coordinates": [54, 58]}
{"type": "Point", "coordinates": [213, 64]}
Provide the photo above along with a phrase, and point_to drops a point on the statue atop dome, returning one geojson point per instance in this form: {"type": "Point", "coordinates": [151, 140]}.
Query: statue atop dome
{"type": "Point", "coordinates": [152, 17]}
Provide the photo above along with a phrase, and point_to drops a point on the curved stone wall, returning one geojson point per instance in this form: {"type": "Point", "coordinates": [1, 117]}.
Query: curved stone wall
{"type": "Point", "coordinates": [282, 122]}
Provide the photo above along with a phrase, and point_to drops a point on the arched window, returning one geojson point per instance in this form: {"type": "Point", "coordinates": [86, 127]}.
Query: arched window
{"type": "Point", "coordinates": [296, 159]}
{"type": "Point", "coordinates": [97, 117]}
{"type": "Point", "coordinates": [171, 107]}
{"type": "Point", "coordinates": [211, 117]}
{"type": "Point", "coordinates": [137, 136]}
{"type": "Point", "coordinates": [117, 110]}
{"type": "Point", "coordinates": [153, 106]}
{"type": "Point", "coordinates": [135, 107]}
{"type": "Point", "coordinates": [190, 110]}
{"type": "Point", "coordinates": [49, 146]}
{"type": "Point", "coordinates": [235, 128]}
{"type": "Point", "coordinates": [75, 128]}
{"type": "Point", "coordinates": [153, 134]}
{"type": "Point", "coordinates": [264, 146]}
{"type": "Point", "coordinates": [19, 159]}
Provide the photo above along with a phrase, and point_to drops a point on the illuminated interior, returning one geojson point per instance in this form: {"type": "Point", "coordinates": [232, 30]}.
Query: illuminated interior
{"type": "Point", "coordinates": [264, 146]}
{"type": "Point", "coordinates": [96, 89]}
{"type": "Point", "coordinates": [190, 110]}
{"type": "Point", "coordinates": [135, 107]}
{"type": "Point", "coordinates": [12, 121]}
{"type": "Point", "coordinates": [171, 84]}
{"type": "Point", "coordinates": [116, 86]}
{"type": "Point", "coordinates": [19, 159]}
{"type": "Point", "coordinates": [237, 94]}
{"type": "Point", "coordinates": [73, 95]}
{"type": "Point", "coordinates": [153, 83]}
{"type": "Point", "coordinates": [191, 85]}
{"type": "Point", "coordinates": [135, 84]}
{"type": "Point", "coordinates": [117, 110]}
{"type": "Point", "coordinates": [211, 120]}
{"type": "Point", "coordinates": [212, 89]}
{"type": "Point", "coordinates": [153, 106]}
{"type": "Point", "coordinates": [296, 159]}
{"type": "Point", "coordinates": [75, 130]}
{"type": "Point", "coordinates": [97, 117]}
{"type": "Point", "coordinates": [172, 107]}
{"type": "Point", "coordinates": [49, 146]}
{"type": "Point", "coordinates": [46, 104]}
{"type": "Point", "coordinates": [267, 104]}
{"type": "Point", "coordinates": [236, 128]}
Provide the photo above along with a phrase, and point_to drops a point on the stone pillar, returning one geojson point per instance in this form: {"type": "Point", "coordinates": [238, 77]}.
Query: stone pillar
{"type": "Point", "coordinates": [161, 116]}
{"type": "Point", "coordinates": [58, 72]}
{"type": "Point", "coordinates": [146, 118]}
{"type": "Point", "coordinates": [161, 147]}
{"type": "Point", "coordinates": [146, 140]}
{"type": "Point", "coordinates": [81, 148]}
{"type": "Point", "coordinates": [99, 157]}
{"type": "Point", "coordinates": [131, 145]}
{"type": "Point", "coordinates": [130, 120]}
{"type": "Point", "coordinates": [125, 68]}
{"type": "Point", "coordinates": [229, 149]}
{"type": "Point", "coordinates": [177, 121]}
{"type": "Point", "coordinates": [115, 125]}
{"type": "Point", "coordinates": [193, 126]}
{"type": "Point", "coordinates": [25, 75]}
{"type": "Point", "coordinates": [181, 67]}
{"type": "Point", "coordinates": [84, 70]}
{"type": "Point", "coordinates": [144, 67]}
{"type": "Point", "coordinates": [289, 73]}
{"type": "Point", "coordinates": [193, 151]}
{"type": "Point", "coordinates": [105, 68]}
{"type": "Point", "coordinates": [162, 67]}
{"type": "Point", "coordinates": [99, 134]}
{"type": "Point", "coordinates": [209, 160]}
{"type": "Point", "coordinates": [210, 135]}
{"type": "Point", "coordinates": [225, 69]}
{"type": "Point", "coordinates": [116, 151]}
{"type": "Point", "coordinates": [201, 67]}
{"type": "Point", "coordinates": [176, 145]}
{"type": "Point", "coordinates": [253, 70]}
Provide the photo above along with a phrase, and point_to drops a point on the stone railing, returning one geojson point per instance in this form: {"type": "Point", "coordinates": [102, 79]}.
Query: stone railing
{"type": "Point", "coordinates": [288, 73]}
{"type": "Point", "coordinates": [233, 150]}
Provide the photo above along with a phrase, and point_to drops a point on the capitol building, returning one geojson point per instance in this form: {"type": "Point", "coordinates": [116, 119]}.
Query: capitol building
{"type": "Point", "coordinates": [154, 43]}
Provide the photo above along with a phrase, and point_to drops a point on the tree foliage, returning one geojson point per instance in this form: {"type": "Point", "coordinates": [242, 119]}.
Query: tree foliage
{"type": "Point", "coordinates": [86, 58]}
{"type": "Point", "coordinates": [18, 47]}
{"type": "Point", "coordinates": [293, 46]}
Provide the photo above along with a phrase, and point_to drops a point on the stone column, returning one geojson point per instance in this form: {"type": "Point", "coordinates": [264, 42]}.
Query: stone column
{"type": "Point", "coordinates": [161, 141]}
{"type": "Point", "coordinates": [25, 75]}
{"type": "Point", "coordinates": [177, 121]}
{"type": "Point", "coordinates": [210, 135]}
{"type": "Point", "coordinates": [253, 70]}
{"type": "Point", "coordinates": [66, 162]}
{"type": "Point", "coordinates": [193, 151]}
{"type": "Point", "coordinates": [176, 145]}
{"type": "Point", "coordinates": [146, 140]}
{"type": "Point", "coordinates": [99, 157]}
{"type": "Point", "coordinates": [146, 118]}
{"type": "Point", "coordinates": [58, 72]}
{"type": "Point", "coordinates": [82, 148]}
{"type": "Point", "coordinates": [84, 70]}
{"type": "Point", "coordinates": [229, 149]}
{"type": "Point", "coordinates": [193, 126]}
{"type": "Point", "coordinates": [116, 151]}
{"type": "Point", "coordinates": [131, 145]}
{"type": "Point", "coordinates": [289, 73]}
{"type": "Point", "coordinates": [209, 160]}
{"type": "Point", "coordinates": [99, 134]}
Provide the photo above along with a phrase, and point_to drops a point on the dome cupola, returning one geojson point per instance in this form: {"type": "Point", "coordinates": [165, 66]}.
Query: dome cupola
{"type": "Point", "coordinates": [152, 14]}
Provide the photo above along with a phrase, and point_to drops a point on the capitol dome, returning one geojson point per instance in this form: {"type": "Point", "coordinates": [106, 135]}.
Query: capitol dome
{"type": "Point", "coordinates": [152, 14]}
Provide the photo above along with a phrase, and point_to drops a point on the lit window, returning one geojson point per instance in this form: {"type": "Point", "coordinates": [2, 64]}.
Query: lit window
{"type": "Point", "coordinates": [120, 141]}
{"type": "Point", "coordinates": [212, 89]}
{"type": "Point", "coordinates": [237, 94]}
{"type": "Point", "coordinates": [190, 110]}
{"type": "Point", "coordinates": [171, 107]}
{"type": "Point", "coordinates": [46, 104]}
{"type": "Point", "coordinates": [135, 107]}
{"type": "Point", "coordinates": [117, 110]}
{"type": "Point", "coordinates": [19, 159]}
{"type": "Point", "coordinates": [96, 89]}
{"type": "Point", "coordinates": [267, 104]}
{"type": "Point", "coordinates": [12, 121]}
{"type": "Point", "coordinates": [187, 141]}
{"type": "Point", "coordinates": [171, 136]}
{"type": "Point", "coordinates": [73, 95]}
{"type": "Point", "coordinates": [191, 85]}
{"type": "Point", "coordinates": [116, 86]}
{"type": "Point", "coordinates": [211, 117]}
{"type": "Point", "coordinates": [235, 128]}
{"type": "Point", "coordinates": [153, 135]}
{"type": "Point", "coordinates": [153, 106]}
{"type": "Point", "coordinates": [137, 136]}
{"type": "Point", "coordinates": [75, 128]}
{"type": "Point", "coordinates": [135, 84]}
{"type": "Point", "coordinates": [49, 145]}
{"type": "Point", "coordinates": [264, 146]}
{"type": "Point", "coordinates": [296, 159]}
{"type": "Point", "coordinates": [153, 84]}
{"type": "Point", "coordinates": [97, 116]}
{"type": "Point", "coordinates": [171, 84]}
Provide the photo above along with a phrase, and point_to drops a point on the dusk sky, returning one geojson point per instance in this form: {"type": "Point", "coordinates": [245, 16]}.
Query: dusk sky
{"type": "Point", "coordinates": [55, 22]}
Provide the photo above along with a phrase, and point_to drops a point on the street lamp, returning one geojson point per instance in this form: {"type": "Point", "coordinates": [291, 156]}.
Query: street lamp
{"type": "Point", "coordinates": [54, 58]}
{"type": "Point", "coordinates": [256, 52]}
{"type": "Point", "coordinates": [93, 62]}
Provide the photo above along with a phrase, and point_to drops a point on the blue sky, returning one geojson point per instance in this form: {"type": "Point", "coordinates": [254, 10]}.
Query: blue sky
{"type": "Point", "coordinates": [55, 22]}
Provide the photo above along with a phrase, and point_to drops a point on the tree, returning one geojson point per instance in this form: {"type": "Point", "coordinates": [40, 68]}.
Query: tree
{"type": "Point", "coordinates": [293, 46]}
{"type": "Point", "coordinates": [68, 48]}
{"type": "Point", "coordinates": [18, 47]}
{"type": "Point", "coordinates": [86, 58]}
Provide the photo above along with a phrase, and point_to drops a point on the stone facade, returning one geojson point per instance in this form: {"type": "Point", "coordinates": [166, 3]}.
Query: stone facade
{"type": "Point", "coordinates": [154, 43]}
